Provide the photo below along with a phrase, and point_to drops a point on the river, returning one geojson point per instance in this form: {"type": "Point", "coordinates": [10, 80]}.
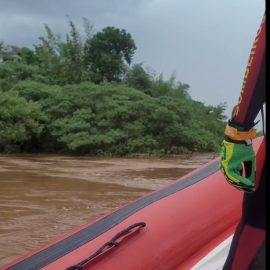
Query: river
{"type": "Point", "coordinates": [44, 196]}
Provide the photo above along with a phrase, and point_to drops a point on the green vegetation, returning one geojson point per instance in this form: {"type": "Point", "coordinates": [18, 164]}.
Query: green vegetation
{"type": "Point", "coordinates": [83, 95]}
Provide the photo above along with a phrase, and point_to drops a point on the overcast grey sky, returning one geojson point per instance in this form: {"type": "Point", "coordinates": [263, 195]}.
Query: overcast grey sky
{"type": "Point", "coordinates": [205, 43]}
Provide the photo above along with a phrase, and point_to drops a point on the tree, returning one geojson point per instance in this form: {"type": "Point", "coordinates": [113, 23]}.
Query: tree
{"type": "Point", "coordinates": [171, 87]}
{"type": "Point", "coordinates": [11, 72]}
{"type": "Point", "coordinates": [18, 54]}
{"type": "Point", "coordinates": [36, 91]}
{"type": "Point", "coordinates": [107, 53]}
{"type": "Point", "coordinates": [20, 120]}
{"type": "Point", "coordinates": [48, 54]}
{"type": "Point", "coordinates": [72, 54]}
{"type": "Point", "coordinates": [47, 103]}
{"type": "Point", "coordinates": [62, 60]}
{"type": "Point", "coordinates": [138, 78]}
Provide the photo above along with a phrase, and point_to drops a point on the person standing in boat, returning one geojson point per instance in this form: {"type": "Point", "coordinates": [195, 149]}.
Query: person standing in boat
{"type": "Point", "coordinates": [238, 163]}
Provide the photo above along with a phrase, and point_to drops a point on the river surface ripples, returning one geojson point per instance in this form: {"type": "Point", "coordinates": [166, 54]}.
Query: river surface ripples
{"type": "Point", "coordinates": [44, 196]}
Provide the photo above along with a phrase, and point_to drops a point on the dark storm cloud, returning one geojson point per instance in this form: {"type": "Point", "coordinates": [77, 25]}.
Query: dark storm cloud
{"type": "Point", "coordinates": [52, 8]}
{"type": "Point", "coordinates": [21, 20]}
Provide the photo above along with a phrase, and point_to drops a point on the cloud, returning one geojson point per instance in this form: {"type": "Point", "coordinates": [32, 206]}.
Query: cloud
{"type": "Point", "coordinates": [205, 43]}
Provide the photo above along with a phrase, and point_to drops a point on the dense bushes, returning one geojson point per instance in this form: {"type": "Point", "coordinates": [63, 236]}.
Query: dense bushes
{"type": "Point", "coordinates": [54, 99]}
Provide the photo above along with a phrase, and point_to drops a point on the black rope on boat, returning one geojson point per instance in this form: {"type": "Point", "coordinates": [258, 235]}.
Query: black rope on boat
{"type": "Point", "coordinates": [110, 244]}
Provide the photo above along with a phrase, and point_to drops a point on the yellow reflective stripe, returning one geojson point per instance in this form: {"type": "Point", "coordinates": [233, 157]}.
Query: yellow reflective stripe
{"type": "Point", "coordinates": [236, 135]}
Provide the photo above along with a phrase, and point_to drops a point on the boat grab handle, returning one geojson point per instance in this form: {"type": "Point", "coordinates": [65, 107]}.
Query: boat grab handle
{"type": "Point", "coordinates": [110, 244]}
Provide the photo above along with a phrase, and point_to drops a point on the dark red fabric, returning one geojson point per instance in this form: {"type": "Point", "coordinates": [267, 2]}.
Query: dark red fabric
{"type": "Point", "coordinates": [252, 94]}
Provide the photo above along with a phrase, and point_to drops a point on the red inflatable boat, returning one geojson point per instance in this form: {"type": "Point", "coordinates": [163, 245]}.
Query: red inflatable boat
{"type": "Point", "coordinates": [184, 225]}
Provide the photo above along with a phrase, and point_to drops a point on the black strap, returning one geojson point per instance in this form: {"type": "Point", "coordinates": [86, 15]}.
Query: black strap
{"type": "Point", "coordinates": [110, 244]}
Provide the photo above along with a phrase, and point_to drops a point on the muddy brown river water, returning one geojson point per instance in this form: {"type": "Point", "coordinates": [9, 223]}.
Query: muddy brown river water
{"type": "Point", "coordinates": [44, 196]}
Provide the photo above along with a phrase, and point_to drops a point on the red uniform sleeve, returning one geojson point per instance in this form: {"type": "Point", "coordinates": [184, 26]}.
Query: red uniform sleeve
{"type": "Point", "coordinates": [252, 96]}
